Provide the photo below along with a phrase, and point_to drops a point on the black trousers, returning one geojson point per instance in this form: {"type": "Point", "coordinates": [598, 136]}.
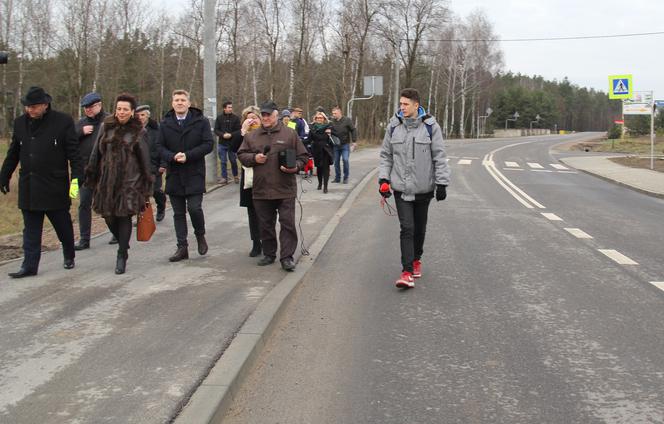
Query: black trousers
{"type": "Point", "coordinates": [267, 211]}
{"type": "Point", "coordinates": [158, 193]}
{"type": "Point", "coordinates": [181, 205]}
{"type": "Point", "coordinates": [33, 225]}
{"type": "Point", "coordinates": [323, 174]}
{"type": "Point", "coordinates": [85, 213]}
{"type": "Point", "coordinates": [254, 227]}
{"type": "Point", "coordinates": [120, 226]}
{"type": "Point", "coordinates": [413, 220]}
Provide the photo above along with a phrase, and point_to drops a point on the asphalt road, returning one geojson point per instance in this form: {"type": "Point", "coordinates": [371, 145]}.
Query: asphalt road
{"type": "Point", "coordinates": [520, 317]}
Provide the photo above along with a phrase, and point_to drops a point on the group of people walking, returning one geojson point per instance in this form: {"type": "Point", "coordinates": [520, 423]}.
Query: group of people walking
{"type": "Point", "coordinates": [118, 161]}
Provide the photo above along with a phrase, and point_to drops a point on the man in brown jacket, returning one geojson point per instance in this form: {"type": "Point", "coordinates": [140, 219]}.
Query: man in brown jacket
{"type": "Point", "coordinates": [274, 185]}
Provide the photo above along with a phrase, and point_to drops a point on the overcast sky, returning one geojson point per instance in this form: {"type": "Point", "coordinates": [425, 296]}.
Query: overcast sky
{"type": "Point", "coordinates": [586, 63]}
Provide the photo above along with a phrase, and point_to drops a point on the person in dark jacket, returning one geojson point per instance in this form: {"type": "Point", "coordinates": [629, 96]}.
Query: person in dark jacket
{"type": "Point", "coordinates": [250, 121]}
{"type": "Point", "coordinates": [274, 185]}
{"type": "Point", "coordinates": [119, 173]}
{"type": "Point", "coordinates": [319, 134]}
{"type": "Point", "coordinates": [87, 129]}
{"type": "Point", "coordinates": [157, 164]}
{"type": "Point", "coordinates": [45, 144]}
{"type": "Point", "coordinates": [227, 127]}
{"type": "Point", "coordinates": [184, 139]}
{"type": "Point", "coordinates": [345, 130]}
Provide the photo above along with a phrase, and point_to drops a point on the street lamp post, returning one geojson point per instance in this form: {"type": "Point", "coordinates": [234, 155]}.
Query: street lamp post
{"type": "Point", "coordinates": [483, 119]}
{"type": "Point", "coordinates": [516, 116]}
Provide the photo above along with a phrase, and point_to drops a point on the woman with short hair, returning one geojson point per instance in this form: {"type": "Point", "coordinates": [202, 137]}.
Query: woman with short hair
{"type": "Point", "coordinates": [320, 133]}
{"type": "Point", "coordinates": [119, 173]}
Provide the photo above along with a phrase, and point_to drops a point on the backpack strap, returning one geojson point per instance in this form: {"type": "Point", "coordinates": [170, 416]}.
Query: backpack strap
{"type": "Point", "coordinates": [429, 128]}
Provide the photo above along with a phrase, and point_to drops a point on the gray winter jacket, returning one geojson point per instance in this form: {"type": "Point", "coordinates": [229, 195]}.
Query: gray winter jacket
{"type": "Point", "coordinates": [410, 159]}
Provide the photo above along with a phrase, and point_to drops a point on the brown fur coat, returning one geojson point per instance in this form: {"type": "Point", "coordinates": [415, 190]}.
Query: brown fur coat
{"type": "Point", "coordinates": [119, 169]}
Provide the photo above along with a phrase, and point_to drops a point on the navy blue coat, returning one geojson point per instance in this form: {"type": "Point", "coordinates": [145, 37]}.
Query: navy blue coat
{"type": "Point", "coordinates": [45, 155]}
{"type": "Point", "coordinates": [194, 139]}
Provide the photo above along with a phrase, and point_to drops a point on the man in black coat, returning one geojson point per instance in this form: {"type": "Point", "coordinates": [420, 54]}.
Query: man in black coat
{"type": "Point", "coordinates": [45, 144]}
{"type": "Point", "coordinates": [227, 127]}
{"type": "Point", "coordinates": [87, 130]}
{"type": "Point", "coordinates": [157, 164]}
{"type": "Point", "coordinates": [184, 139]}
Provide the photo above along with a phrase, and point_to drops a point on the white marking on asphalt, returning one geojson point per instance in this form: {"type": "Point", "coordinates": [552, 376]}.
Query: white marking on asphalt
{"type": "Point", "coordinates": [512, 165]}
{"type": "Point", "coordinates": [658, 284]}
{"type": "Point", "coordinates": [513, 169]}
{"type": "Point", "coordinates": [578, 233]}
{"type": "Point", "coordinates": [618, 257]}
{"type": "Point", "coordinates": [552, 217]}
{"type": "Point", "coordinates": [559, 167]}
{"type": "Point", "coordinates": [522, 197]}
{"type": "Point", "coordinates": [464, 162]}
{"type": "Point", "coordinates": [541, 170]}
{"type": "Point", "coordinates": [535, 165]}
{"type": "Point", "coordinates": [567, 172]}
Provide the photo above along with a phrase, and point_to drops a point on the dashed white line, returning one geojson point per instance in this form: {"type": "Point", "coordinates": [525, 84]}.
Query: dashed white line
{"type": "Point", "coordinates": [534, 165]}
{"type": "Point", "coordinates": [578, 233]}
{"type": "Point", "coordinates": [552, 217]}
{"type": "Point", "coordinates": [512, 165]}
{"type": "Point", "coordinates": [464, 162]}
{"type": "Point", "coordinates": [559, 167]}
{"type": "Point", "coordinates": [658, 284]}
{"type": "Point", "coordinates": [618, 257]}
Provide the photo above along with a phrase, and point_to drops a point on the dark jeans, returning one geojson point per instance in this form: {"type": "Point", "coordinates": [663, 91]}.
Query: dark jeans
{"type": "Point", "coordinates": [158, 193]}
{"type": "Point", "coordinates": [413, 220]}
{"type": "Point", "coordinates": [232, 157]}
{"type": "Point", "coordinates": [33, 224]}
{"type": "Point", "coordinates": [267, 219]}
{"type": "Point", "coordinates": [120, 226]}
{"type": "Point", "coordinates": [340, 152]}
{"type": "Point", "coordinates": [85, 213]}
{"type": "Point", "coordinates": [181, 205]}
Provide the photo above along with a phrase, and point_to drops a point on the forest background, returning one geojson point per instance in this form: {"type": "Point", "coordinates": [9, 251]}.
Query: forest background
{"type": "Point", "coordinates": [305, 53]}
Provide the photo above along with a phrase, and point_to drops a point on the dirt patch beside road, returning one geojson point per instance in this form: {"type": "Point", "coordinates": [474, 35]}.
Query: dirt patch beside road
{"type": "Point", "coordinates": [639, 162]}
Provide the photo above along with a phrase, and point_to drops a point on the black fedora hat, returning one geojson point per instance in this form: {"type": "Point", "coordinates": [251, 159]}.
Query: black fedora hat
{"type": "Point", "coordinates": [35, 96]}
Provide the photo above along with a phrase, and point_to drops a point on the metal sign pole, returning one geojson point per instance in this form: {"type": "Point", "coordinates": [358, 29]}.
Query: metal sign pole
{"type": "Point", "coordinates": [652, 135]}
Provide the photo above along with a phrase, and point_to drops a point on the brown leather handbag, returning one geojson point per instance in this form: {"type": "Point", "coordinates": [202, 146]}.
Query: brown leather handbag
{"type": "Point", "coordinates": [145, 225]}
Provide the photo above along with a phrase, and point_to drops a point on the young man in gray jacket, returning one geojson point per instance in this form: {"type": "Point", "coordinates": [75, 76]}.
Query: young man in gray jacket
{"type": "Point", "coordinates": [413, 164]}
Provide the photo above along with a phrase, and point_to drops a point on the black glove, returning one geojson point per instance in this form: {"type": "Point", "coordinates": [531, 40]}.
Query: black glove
{"type": "Point", "coordinates": [384, 188]}
{"type": "Point", "coordinates": [4, 187]}
{"type": "Point", "coordinates": [441, 192]}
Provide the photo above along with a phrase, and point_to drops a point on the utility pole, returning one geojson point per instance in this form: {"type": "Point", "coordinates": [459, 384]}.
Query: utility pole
{"type": "Point", "coordinates": [210, 82]}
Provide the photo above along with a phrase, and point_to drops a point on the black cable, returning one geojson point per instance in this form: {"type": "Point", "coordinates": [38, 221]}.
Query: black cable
{"type": "Point", "coordinates": [526, 40]}
{"type": "Point", "coordinates": [303, 248]}
{"type": "Point", "coordinates": [388, 209]}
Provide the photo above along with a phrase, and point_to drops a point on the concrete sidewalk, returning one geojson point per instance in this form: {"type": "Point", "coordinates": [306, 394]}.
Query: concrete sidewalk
{"type": "Point", "coordinates": [88, 346]}
{"type": "Point", "coordinates": [643, 180]}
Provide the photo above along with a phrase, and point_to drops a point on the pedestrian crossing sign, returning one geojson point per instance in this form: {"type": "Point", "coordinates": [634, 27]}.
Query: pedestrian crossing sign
{"type": "Point", "coordinates": [620, 87]}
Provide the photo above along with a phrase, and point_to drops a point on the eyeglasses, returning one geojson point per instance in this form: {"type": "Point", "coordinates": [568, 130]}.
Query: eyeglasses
{"type": "Point", "coordinates": [266, 114]}
{"type": "Point", "coordinates": [91, 106]}
{"type": "Point", "coordinates": [319, 117]}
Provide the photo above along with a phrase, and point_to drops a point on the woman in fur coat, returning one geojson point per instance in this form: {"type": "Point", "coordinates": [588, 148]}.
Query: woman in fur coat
{"type": "Point", "coordinates": [119, 173]}
{"type": "Point", "coordinates": [319, 134]}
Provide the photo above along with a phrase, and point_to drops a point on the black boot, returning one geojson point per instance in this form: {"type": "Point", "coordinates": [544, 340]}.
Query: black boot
{"type": "Point", "coordinates": [202, 244]}
{"type": "Point", "coordinates": [257, 249]}
{"type": "Point", "coordinates": [180, 254]}
{"type": "Point", "coordinates": [121, 262]}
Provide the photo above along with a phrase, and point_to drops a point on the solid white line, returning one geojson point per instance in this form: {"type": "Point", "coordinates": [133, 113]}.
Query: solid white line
{"type": "Point", "coordinates": [513, 169]}
{"type": "Point", "coordinates": [464, 162]}
{"type": "Point", "coordinates": [492, 171]}
{"type": "Point", "coordinates": [618, 257]}
{"type": "Point", "coordinates": [535, 165]}
{"type": "Point", "coordinates": [515, 188]}
{"type": "Point", "coordinates": [551, 216]}
{"type": "Point", "coordinates": [578, 233]}
{"type": "Point", "coordinates": [541, 170]}
{"type": "Point", "coordinates": [512, 164]}
{"type": "Point", "coordinates": [658, 284]}
{"type": "Point", "coordinates": [559, 166]}
{"type": "Point", "coordinates": [567, 172]}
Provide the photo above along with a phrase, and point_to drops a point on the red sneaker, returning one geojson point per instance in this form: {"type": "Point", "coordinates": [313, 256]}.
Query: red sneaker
{"type": "Point", "coordinates": [406, 281]}
{"type": "Point", "coordinates": [417, 268]}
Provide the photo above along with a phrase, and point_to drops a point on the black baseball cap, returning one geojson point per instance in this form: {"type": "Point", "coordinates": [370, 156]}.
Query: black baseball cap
{"type": "Point", "coordinates": [269, 107]}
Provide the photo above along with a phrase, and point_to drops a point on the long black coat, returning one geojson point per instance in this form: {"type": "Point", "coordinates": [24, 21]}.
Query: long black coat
{"type": "Point", "coordinates": [86, 142]}
{"type": "Point", "coordinates": [321, 145]}
{"type": "Point", "coordinates": [45, 152]}
{"type": "Point", "coordinates": [156, 162]}
{"type": "Point", "coordinates": [194, 139]}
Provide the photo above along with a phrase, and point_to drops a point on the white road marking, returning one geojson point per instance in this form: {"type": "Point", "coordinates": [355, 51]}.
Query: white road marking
{"type": "Point", "coordinates": [534, 165]}
{"type": "Point", "coordinates": [512, 189]}
{"type": "Point", "coordinates": [618, 257]}
{"type": "Point", "coordinates": [541, 170]}
{"type": "Point", "coordinates": [513, 169]}
{"type": "Point", "coordinates": [464, 162]}
{"type": "Point", "coordinates": [658, 284]}
{"type": "Point", "coordinates": [559, 167]}
{"type": "Point", "coordinates": [512, 165]}
{"type": "Point", "coordinates": [567, 172]}
{"type": "Point", "coordinates": [578, 233]}
{"type": "Point", "coordinates": [552, 217]}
